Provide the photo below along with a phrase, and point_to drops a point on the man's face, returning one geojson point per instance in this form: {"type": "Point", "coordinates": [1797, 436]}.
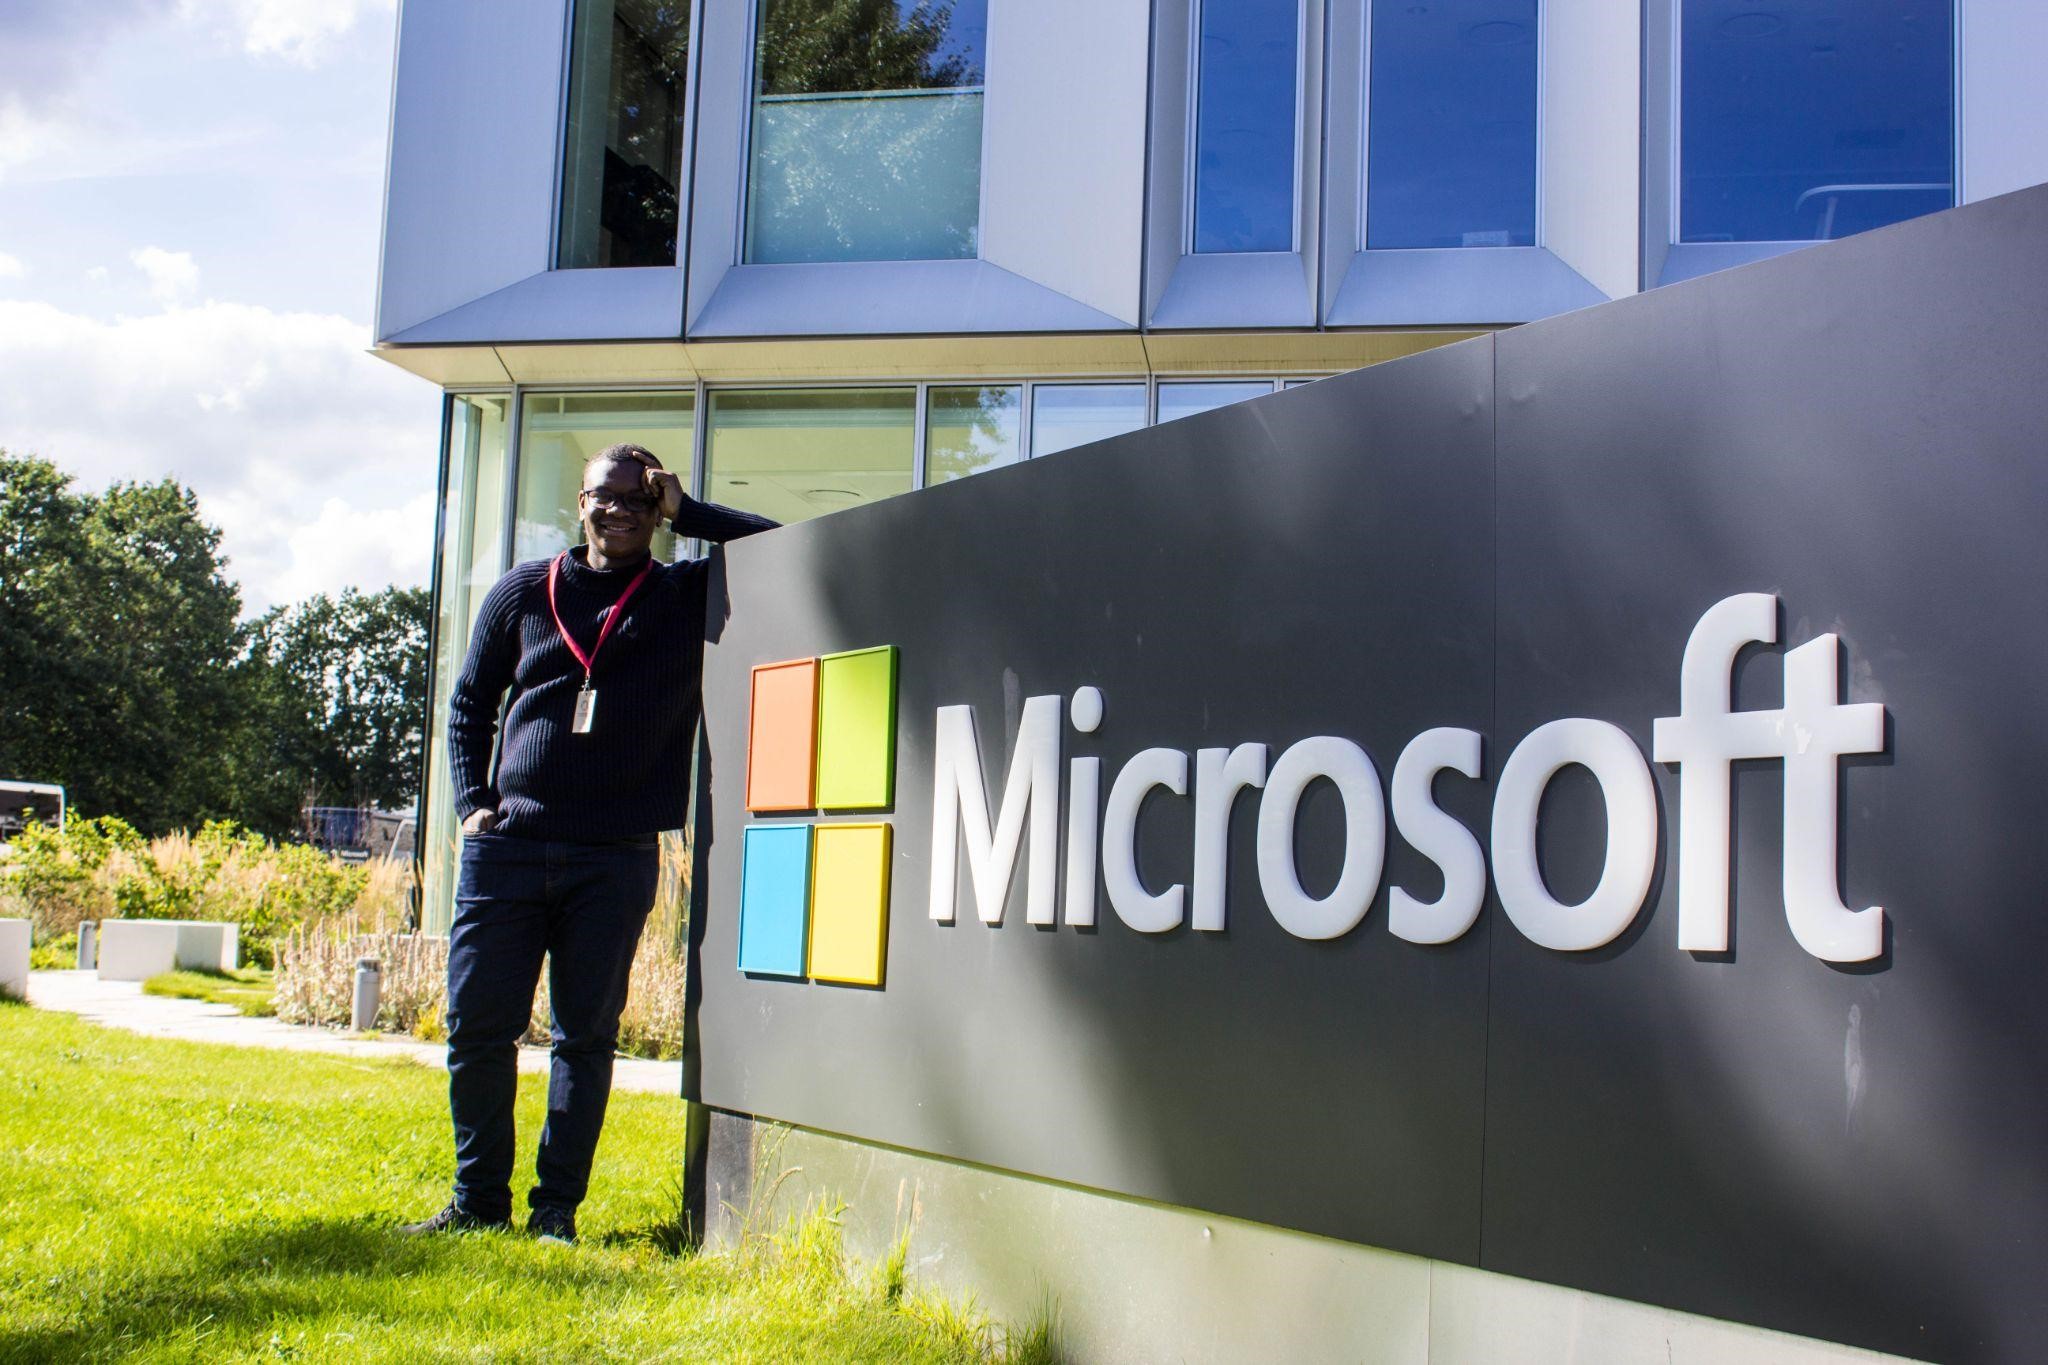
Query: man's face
{"type": "Point", "coordinates": [619, 514]}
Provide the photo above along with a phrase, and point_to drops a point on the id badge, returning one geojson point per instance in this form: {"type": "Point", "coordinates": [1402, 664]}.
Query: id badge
{"type": "Point", "coordinates": [586, 711]}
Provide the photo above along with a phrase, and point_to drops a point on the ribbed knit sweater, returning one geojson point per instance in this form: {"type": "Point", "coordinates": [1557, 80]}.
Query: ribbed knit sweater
{"type": "Point", "coordinates": [630, 775]}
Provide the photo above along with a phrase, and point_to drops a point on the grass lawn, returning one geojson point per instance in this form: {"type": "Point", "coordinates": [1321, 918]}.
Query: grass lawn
{"type": "Point", "coordinates": [178, 1201]}
{"type": "Point", "coordinates": [248, 990]}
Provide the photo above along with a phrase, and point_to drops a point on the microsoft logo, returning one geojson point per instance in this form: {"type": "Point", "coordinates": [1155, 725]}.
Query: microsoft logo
{"type": "Point", "coordinates": [814, 895]}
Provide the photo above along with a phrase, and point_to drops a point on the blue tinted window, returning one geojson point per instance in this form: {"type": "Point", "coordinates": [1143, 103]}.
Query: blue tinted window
{"type": "Point", "coordinates": [1810, 119]}
{"type": "Point", "coordinates": [1185, 400]}
{"type": "Point", "coordinates": [1244, 125]}
{"type": "Point", "coordinates": [1068, 415]}
{"type": "Point", "coordinates": [1451, 124]}
{"type": "Point", "coordinates": [866, 141]}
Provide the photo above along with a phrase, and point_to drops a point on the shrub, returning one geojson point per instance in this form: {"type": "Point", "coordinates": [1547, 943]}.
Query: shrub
{"type": "Point", "coordinates": [55, 879]}
{"type": "Point", "coordinates": [316, 968]}
{"type": "Point", "coordinates": [102, 869]}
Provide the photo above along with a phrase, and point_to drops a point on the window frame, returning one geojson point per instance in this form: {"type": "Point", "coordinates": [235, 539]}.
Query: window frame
{"type": "Point", "coordinates": [1666, 260]}
{"type": "Point", "coordinates": [1191, 146]}
{"type": "Point", "coordinates": [1394, 286]}
{"type": "Point", "coordinates": [686, 178]}
{"type": "Point", "coordinates": [1187, 289]}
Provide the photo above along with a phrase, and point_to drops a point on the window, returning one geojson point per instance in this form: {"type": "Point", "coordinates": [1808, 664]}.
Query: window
{"type": "Point", "coordinates": [1245, 102]}
{"type": "Point", "coordinates": [471, 557]}
{"type": "Point", "coordinates": [558, 433]}
{"type": "Point", "coordinates": [793, 454]}
{"type": "Point", "coordinates": [1067, 415]}
{"type": "Point", "coordinates": [866, 142]}
{"type": "Point", "coordinates": [1451, 124]}
{"type": "Point", "coordinates": [969, 429]}
{"type": "Point", "coordinates": [1812, 119]}
{"type": "Point", "coordinates": [623, 145]}
{"type": "Point", "coordinates": [1186, 399]}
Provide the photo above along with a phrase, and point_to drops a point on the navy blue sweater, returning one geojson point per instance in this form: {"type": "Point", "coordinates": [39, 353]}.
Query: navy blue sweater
{"type": "Point", "coordinates": [631, 774]}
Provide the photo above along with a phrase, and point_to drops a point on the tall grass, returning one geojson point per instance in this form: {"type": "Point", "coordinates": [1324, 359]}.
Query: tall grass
{"type": "Point", "coordinates": [102, 868]}
{"type": "Point", "coordinates": [316, 968]}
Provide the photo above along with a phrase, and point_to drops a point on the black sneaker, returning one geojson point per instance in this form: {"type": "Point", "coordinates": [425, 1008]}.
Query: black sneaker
{"type": "Point", "coordinates": [455, 1219]}
{"type": "Point", "coordinates": [552, 1225]}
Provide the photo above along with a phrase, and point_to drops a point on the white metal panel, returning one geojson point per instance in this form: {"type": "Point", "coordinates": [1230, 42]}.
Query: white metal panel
{"type": "Point", "coordinates": [725, 74]}
{"type": "Point", "coordinates": [1590, 149]}
{"type": "Point", "coordinates": [2004, 100]}
{"type": "Point", "coordinates": [1185, 289]}
{"type": "Point", "coordinates": [470, 192]}
{"type": "Point", "coordinates": [1063, 152]}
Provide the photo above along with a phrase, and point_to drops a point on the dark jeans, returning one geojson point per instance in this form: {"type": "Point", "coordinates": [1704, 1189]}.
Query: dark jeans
{"type": "Point", "coordinates": [583, 905]}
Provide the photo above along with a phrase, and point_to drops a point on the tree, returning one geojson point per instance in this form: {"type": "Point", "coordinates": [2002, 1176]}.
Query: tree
{"type": "Point", "coordinates": [126, 675]}
{"type": "Point", "coordinates": [118, 646]}
{"type": "Point", "coordinates": [344, 688]}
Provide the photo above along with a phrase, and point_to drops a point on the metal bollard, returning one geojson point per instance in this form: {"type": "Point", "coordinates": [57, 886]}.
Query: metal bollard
{"type": "Point", "coordinates": [369, 994]}
{"type": "Point", "coordinates": [88, 945]}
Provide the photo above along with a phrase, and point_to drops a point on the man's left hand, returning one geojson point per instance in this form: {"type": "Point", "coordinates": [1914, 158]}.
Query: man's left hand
{"type": "Point", "coordinates": [667, 487]}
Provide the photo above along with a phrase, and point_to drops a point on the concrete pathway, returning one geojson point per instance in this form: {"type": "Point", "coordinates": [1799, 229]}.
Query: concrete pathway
{"type": "Point", "coordinates": [121, 1004]}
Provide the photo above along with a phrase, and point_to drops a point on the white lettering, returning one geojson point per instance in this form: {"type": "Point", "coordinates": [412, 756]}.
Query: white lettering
{"type": "Point", "coordinates": [960, 808]}
{"type": "Point", "coordinates": [1134, 905]}
{"type": "Point", "coordinates": [1220, 774]}
{"type": "Point", "coordinates": [1437, 837]}
{"type": "Point", "coordinates": [1365, 837]}
{"type": "Point", "coordinates": [1631, 798]}
{"type": "Point", "coordinates": [1703, 739]}
{"type": "Point", "coordinates": [1821, 730]}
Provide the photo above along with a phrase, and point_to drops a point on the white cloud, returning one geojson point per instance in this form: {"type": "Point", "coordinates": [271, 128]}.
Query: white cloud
{"type": "Point", "coordinates": [315, 460]}
{"type": "Point", "coordinates": [173, 275]}
{"type": "Point", "coordinates": [299, 31]}
{"type": "Point", "coordinates": [11, 267]}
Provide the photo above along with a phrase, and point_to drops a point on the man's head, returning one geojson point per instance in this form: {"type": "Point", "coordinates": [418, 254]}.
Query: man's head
{"type": "Point", "coordinates": [620, 512]}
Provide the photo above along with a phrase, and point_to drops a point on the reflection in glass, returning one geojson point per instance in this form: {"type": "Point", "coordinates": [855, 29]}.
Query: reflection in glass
{"type": "Point", "coordinates": [1244, 125]}
{"type": "Point", "coordinates": [967, 430]}
{"type": "Point", "coordinates": [867, 131]}
{"type": "Point", "coordinates": [1451, 125]}
{"type": "Point", "coordinates": [623, 149]}
{"type": "Point", "coordinates": [471, 557]}
{"type": "Point", "coordinates": [558, 432]}
{"type": "Point", "coordinates": [1185, 400]}
{"type": "Point", "coordinates": [1804, 120]}
{"type": "Point", "coordinates": [793, 454]}
{"type": "Point", "coordinates": [1067, 415]}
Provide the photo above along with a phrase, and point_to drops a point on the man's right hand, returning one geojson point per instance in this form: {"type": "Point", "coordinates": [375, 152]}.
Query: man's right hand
{"type": "Point", "coordinates": [480, 821]}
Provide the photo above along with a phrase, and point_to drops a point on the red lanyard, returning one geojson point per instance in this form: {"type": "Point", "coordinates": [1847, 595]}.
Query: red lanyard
{"type": "Point", "coordinates": [604, 632]}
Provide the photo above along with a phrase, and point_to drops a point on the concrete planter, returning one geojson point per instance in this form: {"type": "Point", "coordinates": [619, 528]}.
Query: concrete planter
{"type": "Point", "coordinates": [137, 949]}
{"type": "Point", "coordinates": [14, 941]}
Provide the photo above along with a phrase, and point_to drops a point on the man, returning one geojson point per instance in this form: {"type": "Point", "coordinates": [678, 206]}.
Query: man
{"type": "Point", "coordinates": [601, 649]}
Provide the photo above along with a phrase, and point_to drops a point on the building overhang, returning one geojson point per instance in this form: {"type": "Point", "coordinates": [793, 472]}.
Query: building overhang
{"type": "Point", "coordinates": [813, 359]}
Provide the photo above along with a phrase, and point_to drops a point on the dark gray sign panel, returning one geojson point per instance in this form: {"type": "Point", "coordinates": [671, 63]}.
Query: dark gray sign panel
{"type": "Point", "coordinates": [1491, 538]}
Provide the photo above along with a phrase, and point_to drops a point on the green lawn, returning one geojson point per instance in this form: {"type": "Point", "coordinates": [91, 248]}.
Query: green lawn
{"type": "Point", "coordinates": [178, 1201]}
{"type": "Point", "coordinates": [248, 990]}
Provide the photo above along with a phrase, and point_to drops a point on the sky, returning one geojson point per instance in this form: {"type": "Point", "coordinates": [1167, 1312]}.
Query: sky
{"type": "Point", "coordinates": [190, 196]}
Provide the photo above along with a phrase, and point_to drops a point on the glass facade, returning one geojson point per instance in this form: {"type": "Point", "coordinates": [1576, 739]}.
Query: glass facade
{"type": "Point", "coordinates": [469, 560]}
{"type": "Point", "coordinates": [558, 432]}
{"type": "Point", "coordinates": [1813, 119]}
{"type": "Point", "coordinates": [622, 161]}
{"type": "Point", "coordinates": [1246, 95]}
{"type": "Point", "coordinates": [788, 453]}
{"type": "Point", "coordinates": [1068, 415]}
{"type": "Point", "coordinates": [1451, 125]}
{"type": "Point", "coordinates": [866, 136]}
{"type": "Point", "coordinates": [971, 428]}
{"type": "Point", "coordinates": [1187, 399]}
{"type": "Point", "coordinates": [793, 454]}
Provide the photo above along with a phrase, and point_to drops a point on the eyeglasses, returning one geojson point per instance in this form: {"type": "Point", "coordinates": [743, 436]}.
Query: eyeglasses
{"type": "Point", "coordinates": [637, 503]}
